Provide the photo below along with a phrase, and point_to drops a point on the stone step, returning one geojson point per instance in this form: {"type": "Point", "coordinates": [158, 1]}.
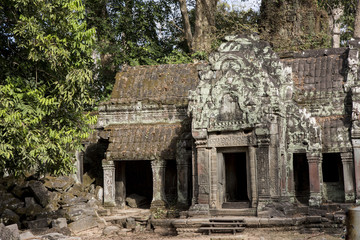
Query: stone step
{"type": "Point", "coordinates": [221, 229]}
{"type": "Point", "coordinates": [226, 219]}
{"type": "Point", "coordinates": [233, 212]}
{"type": "Point", "coordinates": [223, 223]}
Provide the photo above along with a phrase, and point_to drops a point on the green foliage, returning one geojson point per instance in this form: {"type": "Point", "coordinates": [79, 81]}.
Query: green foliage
{"type": "Point", "coordinates": [234, 21]}
{"type": "Point", "coordinates": [132, 32]}
{"type": "Point", "coordinates": [45, 78]}
{"type": "Point", "coordinates": [176, 57]}
{"type": "Point", "coordinates": [348, 16]}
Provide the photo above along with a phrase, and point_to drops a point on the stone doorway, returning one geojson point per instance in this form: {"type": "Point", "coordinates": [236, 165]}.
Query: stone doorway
{"type": "Point", "coordinates": [301, 177]}
{"type": "Point", "coordinates": [236, 180]}
{"type": "Point", "coordinates": [139, 180]}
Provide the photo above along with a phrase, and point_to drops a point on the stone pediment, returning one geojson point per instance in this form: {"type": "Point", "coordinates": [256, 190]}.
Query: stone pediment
{"type": "Point", "coordinates": [239, 87]}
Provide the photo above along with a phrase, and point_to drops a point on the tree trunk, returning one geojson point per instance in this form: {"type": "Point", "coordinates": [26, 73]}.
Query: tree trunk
{"type": "Point", "coordinates": [186, 22]}
{"type": "Point", "coordinates": [204, 25]}
{"type": "Point", "coordinates": [335, 25]}
{"type": "Point", "coordinates": [357, 21]}
{"type": "Point", "coordinates": [293, 24]}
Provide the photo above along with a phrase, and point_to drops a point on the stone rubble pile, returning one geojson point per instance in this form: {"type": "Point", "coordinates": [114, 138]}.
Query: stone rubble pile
{"type": "Point", "coordinates": [53, 207]}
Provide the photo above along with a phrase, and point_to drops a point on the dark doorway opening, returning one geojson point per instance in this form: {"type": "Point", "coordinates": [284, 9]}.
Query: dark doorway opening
{"type": "Point", "coordinates": [171, 182]}
{"type": "Point", "coordinates": [333, 177]}
{"type": "Point", "coordinates": [139, 180]}
{"type": "Point", "coordinates": [236, 177]}
{"type": "Point", "coordinates": [301, 177]}
{"type": "Point", "coordinates": [93, 156]}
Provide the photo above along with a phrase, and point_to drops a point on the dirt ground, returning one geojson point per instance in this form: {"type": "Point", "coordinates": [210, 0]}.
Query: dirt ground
{"type": "Point", "coordinates": [248, 234]}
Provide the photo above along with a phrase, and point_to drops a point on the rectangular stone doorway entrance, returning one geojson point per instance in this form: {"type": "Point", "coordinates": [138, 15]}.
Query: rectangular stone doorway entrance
{"type": "Point", "coordinates": [236, 180]}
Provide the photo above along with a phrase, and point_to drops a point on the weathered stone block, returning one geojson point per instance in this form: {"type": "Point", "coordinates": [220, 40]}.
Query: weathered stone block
{"type": "Point", "coordinates": [27, 235]}
{"type": "Point", "coordinates": [62, 183]}
{"type": "Point", "coordinates": [82, 224]}
{"type": "Point", "coordinates": [87, 180]}
{"type": "Point", "coordinates": [135, 200]}
{"type": "Point", "coordinates": [110, 230]}
{"type": "Point", "coordinates": [9, 217]}
{"type": "Point", "coordinates": [59, 223]}
{"type": "Point", "coordinates": [130, 223]}
{"type": "Point", "coordinates": [38, 223]}
{"type": "Point", "coordinates": [10, 232]}
{"type": "Point", "coordinates": [40, 192]}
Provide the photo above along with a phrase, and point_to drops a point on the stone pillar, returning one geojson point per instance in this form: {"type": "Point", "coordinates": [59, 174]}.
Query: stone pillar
{"type": "Point", "coordinates": [158, 171]}
{"type": "Point", "coordinates": [120, 184]}
{"type": "Point", "coordinates": [356, 146]}
{"type": "Point", "coordinates": [348, 169]}
{"type": "Point", "coordinates": [79, 164]}
{"type": "Point", "coordinates": [183, 183]}
{"type": "Point", "coordinates": [182, 167]}
{"type": "Point", "coordinates": [109, 183]}
{"type": "Point", "coordinates": [263, 161]}
{"type": "Point", "coordinates": [315, 178]}
{"type": "Point", "coordinates": [253, 183]}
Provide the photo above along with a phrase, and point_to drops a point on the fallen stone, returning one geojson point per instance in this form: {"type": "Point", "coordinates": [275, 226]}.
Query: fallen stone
{"type": "Point", "coordinates": [38, 223]}
{"type": "Point", "coordinates": [53, 204]}
{"type": "Point", "coordinates": [135, 200]}
{"type": "Point", "coordinates": [67, 198]}
{"type": "Point", "coordinates": [99, 193]}
{"type": "Point", "coordinates": [29, 201]}
{"type": "Point", "coordinates": [26, 235]}
{"type": "Point", "coordinates": [59, 223]}
{"type": "Point", "coordinates": [130, 223]}
{"type": "Point", "coordinates": [58, 236]}
{"type": "Point", "coordinates": [10, 232]}
{"type": "Point", "coordinates": [20, 190]}
{"type": "Point", "coordinates": [110, 230]}
{"type": "Point", "coordinates": [87, 180]}
{"type": "Point", "coordinates": [85, 223]}
{"type": "Point", "coordinates": [62, 183]}
{"type": "Point", "coordinates": [77, 190]}
{"type": "Point", "coordinates": [40, 192]}
{"type": "Point", "coordinates": [9, 217]}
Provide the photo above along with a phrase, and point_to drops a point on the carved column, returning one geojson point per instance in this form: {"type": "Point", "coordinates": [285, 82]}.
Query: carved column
{"type": "Point", "coordinates": [120, 184]}
{"type": "Point", "coordinates": [315, 178]}
{"type": "Point", "coordinates": [158, 171]}
{"type": "Point", "coordinates": [203, 173]}
{"type": "Point", "coordinates": [201, 168]}
{"type": "Point", "coordinates": [109, 183]}
{"type": "Point", "coordinates": [253, 183]}
{"type": "Point", "coordinates": [348, 169]}
{"type": "Point", "coordinates": [183, 166]}
{"type": "Point", "coordinates": [262, 154]}
{"type": "Point", "coordinates": [356, 146]}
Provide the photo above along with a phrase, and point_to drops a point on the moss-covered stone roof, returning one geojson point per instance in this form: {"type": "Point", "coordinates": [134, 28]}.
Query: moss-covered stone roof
{"type": "Point", "coordinates": [161, 84]}
{"type": "Point", "coordinates": [319, 77]}
{"type": "Point", "coordinates": [145, 141]}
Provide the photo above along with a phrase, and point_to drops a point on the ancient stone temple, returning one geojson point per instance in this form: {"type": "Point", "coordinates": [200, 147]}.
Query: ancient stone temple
{"type": "Point", "coordinates": [244, 130]}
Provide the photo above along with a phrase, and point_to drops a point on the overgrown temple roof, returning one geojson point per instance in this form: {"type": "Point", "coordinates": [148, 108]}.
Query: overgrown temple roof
{"type": "Point", "coordinates": [161, 84]}
{"type": "Point", "coordinates": [145, 141]}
